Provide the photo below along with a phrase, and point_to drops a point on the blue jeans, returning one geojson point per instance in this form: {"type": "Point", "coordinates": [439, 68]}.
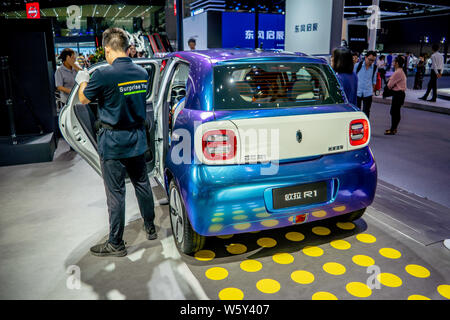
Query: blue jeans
{"type": "Point", "coordinates": [114, 174]}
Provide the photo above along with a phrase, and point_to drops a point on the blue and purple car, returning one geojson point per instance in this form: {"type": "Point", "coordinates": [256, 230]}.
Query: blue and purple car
{"type": "Point", "coordinates": [244, 141]}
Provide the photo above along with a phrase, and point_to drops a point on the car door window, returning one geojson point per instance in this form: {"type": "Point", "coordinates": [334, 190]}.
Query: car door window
{"type": "Point", "coordinates": [150, 68]}
{"type": "Point", "coordinates": [175, 91]}
{"type": "Point", "coordinates": [177, 88]}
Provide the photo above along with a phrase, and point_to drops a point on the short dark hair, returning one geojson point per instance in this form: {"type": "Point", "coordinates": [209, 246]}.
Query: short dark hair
{"type": "Point", "coordinates": [342, 60]}
{"type": "Point", "coordinates": [371, 53]}
{"type": "Point", "coordinates": [355, 53]}
{"type": "Point", "coordinates": [191, 40]}
{"type": "Point", "coordinates": [382, 57]}
{"type": "Point", "coordinates": [116, 39]}
{"type": "Point", "coordinates": [67, 52]}
{"type": "Point", "coordinates": [400, 60]}
{"type": "Point", "coordinates": [435, 47]}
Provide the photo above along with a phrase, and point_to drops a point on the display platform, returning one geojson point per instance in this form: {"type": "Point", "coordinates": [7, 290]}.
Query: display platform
{"type": "Point", "coordinates": [29, 149]}
{"type": "Point", "coordinates": [444, 93]}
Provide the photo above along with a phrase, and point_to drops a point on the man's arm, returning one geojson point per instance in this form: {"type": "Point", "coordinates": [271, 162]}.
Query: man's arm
{"type": "Point", "coordinates": [393, 80]}
{"type": "Point", "coordinates": [374, 79]}
{"type": "Point", "coordinates": [76, 66]}
{"type": "Point", "coordinates": [64, 89]}
{"type": "Point", "coordinates": [81, 95]}
{"type": "Point", "coordinates": [440, 66]}
{"type": "Point", "coordinates": [89, 92]}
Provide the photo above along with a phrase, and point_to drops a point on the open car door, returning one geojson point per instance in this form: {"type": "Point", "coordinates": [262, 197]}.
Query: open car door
{"type": "Point", "coordinates": [77, 121]}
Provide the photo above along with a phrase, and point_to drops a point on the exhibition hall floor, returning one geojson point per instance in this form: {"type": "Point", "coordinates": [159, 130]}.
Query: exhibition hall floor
{"type": "Point", "coordinates": [52, 213]}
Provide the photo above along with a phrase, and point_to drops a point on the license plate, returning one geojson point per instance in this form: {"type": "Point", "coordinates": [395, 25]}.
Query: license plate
{"type": "Point", "coordinates": [304, 194]}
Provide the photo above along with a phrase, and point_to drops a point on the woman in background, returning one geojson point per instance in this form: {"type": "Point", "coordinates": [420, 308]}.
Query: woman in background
{"type": "Point", "coordinates": [381, 64]}
{"type": "Point", "coordinates": [420, 71]}
{"type": "Point", "coordinates": [397, 83]}
{"type": "Point", "coordinates": [131, 51]}
{"type": "Point", "coordinates": [342, 64]}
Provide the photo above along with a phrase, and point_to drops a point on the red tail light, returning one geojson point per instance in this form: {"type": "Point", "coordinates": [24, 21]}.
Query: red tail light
{"type": "Point", "coordinates": [359, 132]}
{"type": "Point", "coordinates": [219, 145]}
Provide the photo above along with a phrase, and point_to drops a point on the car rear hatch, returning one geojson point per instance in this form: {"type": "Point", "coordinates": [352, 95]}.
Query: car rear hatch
{"type": "Point", "coordinates": [279, 112]}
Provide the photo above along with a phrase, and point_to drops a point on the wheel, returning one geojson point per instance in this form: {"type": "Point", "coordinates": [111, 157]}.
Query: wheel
{"type": "Point", "coordinates": [355, 215]}
{"type": "Point", "coordinates": [186, 239]}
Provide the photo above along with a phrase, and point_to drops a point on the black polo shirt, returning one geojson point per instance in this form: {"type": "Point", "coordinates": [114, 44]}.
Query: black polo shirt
{"type": "Point", "coordinates": [120, 89]}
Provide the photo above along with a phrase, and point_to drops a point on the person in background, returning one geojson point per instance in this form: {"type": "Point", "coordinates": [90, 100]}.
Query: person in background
{"type": "Point", "coordinates": [437, 65]}
{"type": "Point", "coordinates": [342, 64]}
{"type": "Point", "coordinates": [355, 57]}
{"type": "Point", "coordinates": [389, 62]}
{"type": "Point", "coordinates": [412, 61]}
{"type": "Point", "coordinates": [420, 71]}
{"type": "Point", "coordinates": [381, 64]}
{"type": "Point", "coordinates": [132, 53]}
{"type": "Point", "coordinates": [367, 79]}
{"type": "Point", "coordinates": [65, 74]}
{"type": "Point", "coordinates": [82, 61]}
{"type": "Point", "coordinates": [397, 84]}
{"type": "Point", "coordinates": [405, 66]}
{"type": "Point", "coordinates": [192, 44]}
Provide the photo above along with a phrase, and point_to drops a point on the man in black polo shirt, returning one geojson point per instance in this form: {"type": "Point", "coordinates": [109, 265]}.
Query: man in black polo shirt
{"type": "Point", "coordinates": [120, 89]}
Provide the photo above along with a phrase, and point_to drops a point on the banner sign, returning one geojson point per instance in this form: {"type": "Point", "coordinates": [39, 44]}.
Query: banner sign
{"type": "Point", "coordinates": [309, 26]}
{"type": "Point", "coordinates": [238, 30]}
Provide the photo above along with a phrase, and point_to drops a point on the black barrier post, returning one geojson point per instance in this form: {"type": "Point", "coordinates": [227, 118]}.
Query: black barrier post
{"type": "Point", "coordinates": [180, 44]}
{"type": "Point", "coordinates": [7, 87]}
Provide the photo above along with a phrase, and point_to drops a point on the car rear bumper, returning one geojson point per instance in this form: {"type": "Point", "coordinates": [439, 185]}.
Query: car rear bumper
{"type": "Point", "coordinates": [232, 199]}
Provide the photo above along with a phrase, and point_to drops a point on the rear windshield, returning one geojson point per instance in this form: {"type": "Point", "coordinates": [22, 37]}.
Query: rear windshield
{"type": "Point", "coordinates": [274, 85]}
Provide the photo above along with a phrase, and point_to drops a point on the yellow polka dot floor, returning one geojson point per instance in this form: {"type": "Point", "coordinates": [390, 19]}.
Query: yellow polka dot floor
{"type": "Point", "coordinates": [328, 259]}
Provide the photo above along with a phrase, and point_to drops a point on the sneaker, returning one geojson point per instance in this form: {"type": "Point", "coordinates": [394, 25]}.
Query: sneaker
{"type": "Point", "coordinates": [423, 98]}
{"type": "Point", "coordinates": [108, 249]}
{"type": "Point", "coordinates": [150, 232]}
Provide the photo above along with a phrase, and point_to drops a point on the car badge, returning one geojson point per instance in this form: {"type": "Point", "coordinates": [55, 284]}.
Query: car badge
{"type": "Point", "coordinates": [299, 136]}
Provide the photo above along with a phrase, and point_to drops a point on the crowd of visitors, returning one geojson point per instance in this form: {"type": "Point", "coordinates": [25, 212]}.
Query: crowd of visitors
{"type": "Point", "coordinates": [362, 77]}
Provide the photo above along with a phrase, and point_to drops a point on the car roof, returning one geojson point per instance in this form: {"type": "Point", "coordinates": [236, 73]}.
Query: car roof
{"type": "Point", "coordinates": [219, 56]}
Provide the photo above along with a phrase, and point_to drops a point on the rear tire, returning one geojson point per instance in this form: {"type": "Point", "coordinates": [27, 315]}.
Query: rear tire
{"type": "Point", "coordinates": [186, 239]}
{"type": "Point", "coordinates": [355, 215]}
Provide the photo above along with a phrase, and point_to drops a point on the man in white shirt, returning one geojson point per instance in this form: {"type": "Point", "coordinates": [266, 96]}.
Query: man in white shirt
{"type": "Point", "coordinates": [437, 67]}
